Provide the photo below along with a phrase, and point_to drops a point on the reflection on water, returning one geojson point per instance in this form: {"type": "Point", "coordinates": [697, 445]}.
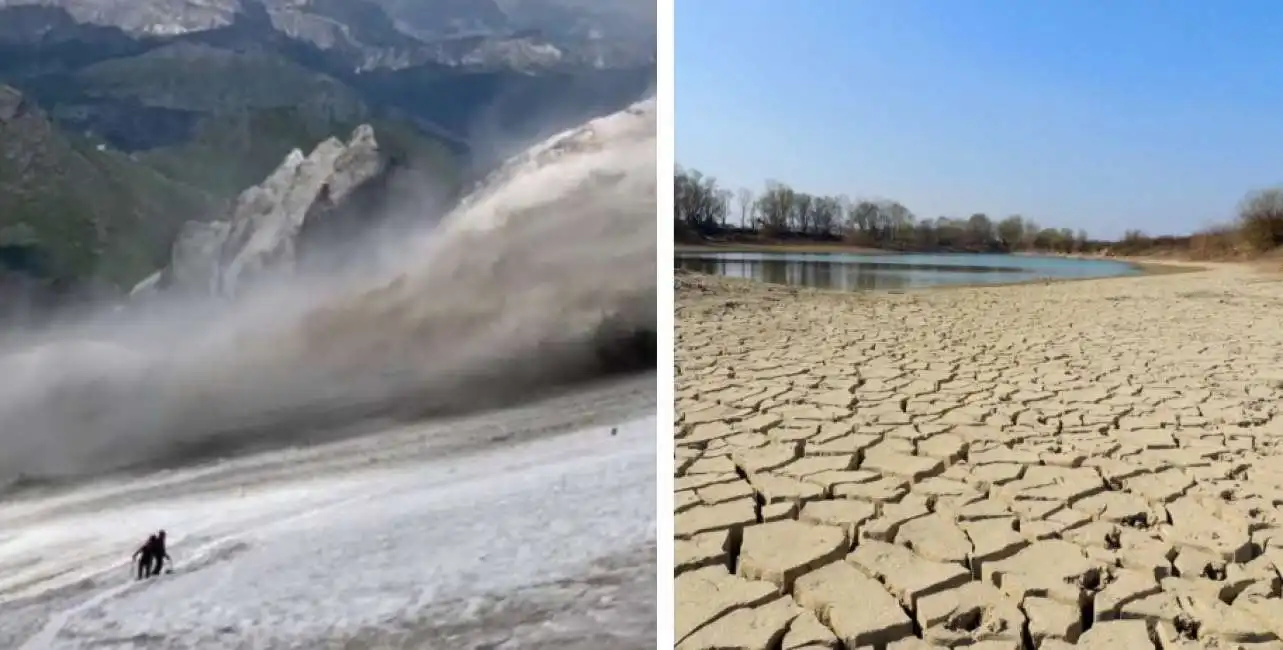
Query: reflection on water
{"type": "Point", "coordinates": [892, 272]}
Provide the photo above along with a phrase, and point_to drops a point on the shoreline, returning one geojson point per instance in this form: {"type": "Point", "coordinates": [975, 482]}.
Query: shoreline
{"type": "Point", "coordinates": [1144, 267]}
{"type": "Point", "coordinates": [849, 249]}
{"type": "Point", "coordinates": [737, 247]}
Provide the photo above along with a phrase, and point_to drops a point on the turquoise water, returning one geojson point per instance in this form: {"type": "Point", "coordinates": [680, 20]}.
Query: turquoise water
{"type": "Point", "coordinates": [851, 272]}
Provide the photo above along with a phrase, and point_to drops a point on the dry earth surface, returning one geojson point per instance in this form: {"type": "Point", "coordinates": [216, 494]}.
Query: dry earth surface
{"type": "Point", "coordinates": [1084, 464]}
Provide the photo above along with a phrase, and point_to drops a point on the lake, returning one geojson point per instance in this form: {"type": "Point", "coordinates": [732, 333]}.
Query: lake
{"type": "Point", "coordinates": [853, 272]}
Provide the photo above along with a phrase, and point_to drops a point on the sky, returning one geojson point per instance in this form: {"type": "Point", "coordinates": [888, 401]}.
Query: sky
{"type": "Point", "coordinates": [1104, 115]}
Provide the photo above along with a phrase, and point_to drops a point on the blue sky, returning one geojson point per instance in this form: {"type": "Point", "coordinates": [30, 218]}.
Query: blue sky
{"type": "Point", "coordinates": [1103, 115]}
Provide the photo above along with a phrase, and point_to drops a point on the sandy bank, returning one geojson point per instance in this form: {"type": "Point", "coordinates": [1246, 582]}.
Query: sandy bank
{"type": "Point", "coordinates": [959, 466]}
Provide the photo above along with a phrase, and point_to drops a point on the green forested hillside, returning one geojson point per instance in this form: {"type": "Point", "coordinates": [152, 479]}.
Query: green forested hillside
{"type": "Point", "coordinates": [73, 209]}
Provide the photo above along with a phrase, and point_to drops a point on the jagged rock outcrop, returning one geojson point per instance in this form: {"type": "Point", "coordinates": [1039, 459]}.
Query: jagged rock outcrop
{"type": "Point", "coordinates": [11, 103]}
{"type": "Point", "coordinates": [261, 236]}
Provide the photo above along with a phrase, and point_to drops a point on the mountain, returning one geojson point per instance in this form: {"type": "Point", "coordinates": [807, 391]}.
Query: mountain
{"type": "Point", "coordinates": [72, 209]}
{"type": "Point", "coordinates": [76, 212]}
{"type": "Point", "coordinates": [485, 76]}
{"type": "Point", "coordinates": [401, 33]}
{"type": "Point", "coordinates": [600, 33]}
{"type": "Point", "coordinates": [134, 117]}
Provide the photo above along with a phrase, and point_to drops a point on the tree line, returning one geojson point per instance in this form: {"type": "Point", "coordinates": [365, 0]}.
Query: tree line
{"type": "Point", "coordinates": [703, 209]}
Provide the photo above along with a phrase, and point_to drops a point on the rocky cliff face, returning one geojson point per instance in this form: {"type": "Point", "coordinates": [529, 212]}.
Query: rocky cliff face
{"type": "Point", "coordinates": [145, 17]}
{"type": "Point", "coordinates": [11, 104]}
{"type": "Point", "coordinates": [124, 71]}
{"type": "Point", "coordinates": [262, 234]}
{"type": "Point", "coordinates": [393, 34]}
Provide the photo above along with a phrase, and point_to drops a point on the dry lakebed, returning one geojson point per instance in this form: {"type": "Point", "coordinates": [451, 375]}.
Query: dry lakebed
{"type": "Point", "coordinates": [1092, 464]}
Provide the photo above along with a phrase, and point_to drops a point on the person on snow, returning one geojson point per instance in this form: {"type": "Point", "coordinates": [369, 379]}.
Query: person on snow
{"type": "Point", "coordinates": [151, 556]}
{"type": "Point", "coordinates": [144, 557]}
{"type": "Point", "coordinates": [158, 553]}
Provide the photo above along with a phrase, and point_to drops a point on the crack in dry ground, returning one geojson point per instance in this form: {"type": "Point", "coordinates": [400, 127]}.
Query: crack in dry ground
{"type": "Point", "coordinates": [1090, 464]}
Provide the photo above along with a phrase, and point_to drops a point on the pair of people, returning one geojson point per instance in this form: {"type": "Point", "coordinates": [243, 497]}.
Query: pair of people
{"type": "Point", "coordinates": [151, 556]}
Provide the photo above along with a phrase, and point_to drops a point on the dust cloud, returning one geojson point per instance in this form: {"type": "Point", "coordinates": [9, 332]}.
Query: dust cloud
{"type": "Point", "coordinates": [543, 277]}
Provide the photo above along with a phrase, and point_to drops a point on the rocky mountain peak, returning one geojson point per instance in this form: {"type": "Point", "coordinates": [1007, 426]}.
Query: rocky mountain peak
{"type": "Point", "coordinates": [12, 103]}
{"type": "Point", "coordinates": [261, 234]}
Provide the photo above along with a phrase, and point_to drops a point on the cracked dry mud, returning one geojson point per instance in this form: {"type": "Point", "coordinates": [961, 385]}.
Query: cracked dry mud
{"type": "Point", "coordinates": [1090, 464]}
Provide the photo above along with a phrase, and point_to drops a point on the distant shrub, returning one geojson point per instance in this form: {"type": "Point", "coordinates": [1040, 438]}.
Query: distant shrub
{"type": "Point", "coordinates": [1134, 242]}
{"type": "Point", "coordinates": [1217, 242]}
{"type": "Point", "coordinates": [1261, 220]}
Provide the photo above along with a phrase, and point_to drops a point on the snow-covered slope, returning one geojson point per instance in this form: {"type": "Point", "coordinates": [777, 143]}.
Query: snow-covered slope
{"type": "Point", "coordinates": [397, 541]}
